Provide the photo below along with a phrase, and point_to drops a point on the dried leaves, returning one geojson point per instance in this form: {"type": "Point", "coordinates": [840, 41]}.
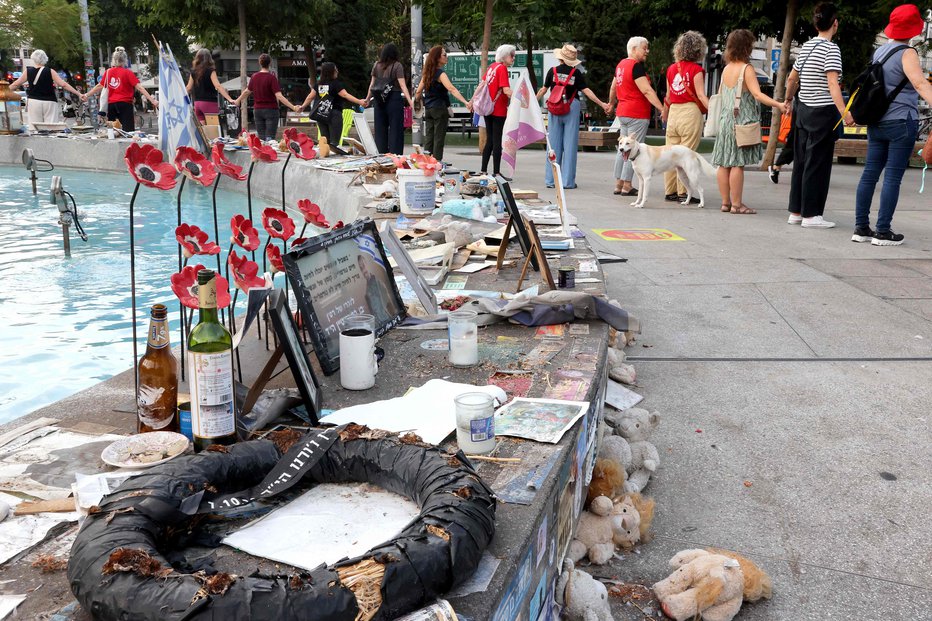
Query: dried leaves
{"type": "Point", "coordinates": [138, 562]}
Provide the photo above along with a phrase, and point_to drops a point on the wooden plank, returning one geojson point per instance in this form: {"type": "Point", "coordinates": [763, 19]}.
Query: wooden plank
{"type": "Point", "coordinates": [58, 505]}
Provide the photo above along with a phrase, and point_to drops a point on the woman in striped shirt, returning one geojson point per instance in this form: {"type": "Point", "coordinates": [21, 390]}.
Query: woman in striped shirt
{"type": "Point", "coordinates": [819, 106]}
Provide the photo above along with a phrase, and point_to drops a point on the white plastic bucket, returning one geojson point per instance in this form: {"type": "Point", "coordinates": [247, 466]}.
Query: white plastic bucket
{"type": "Point", "coordinates": [417, 192]}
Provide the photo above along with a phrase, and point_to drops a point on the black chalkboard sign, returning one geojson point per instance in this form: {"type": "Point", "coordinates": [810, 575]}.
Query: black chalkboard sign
{"type": "Point", "coordinates": [340, 273]}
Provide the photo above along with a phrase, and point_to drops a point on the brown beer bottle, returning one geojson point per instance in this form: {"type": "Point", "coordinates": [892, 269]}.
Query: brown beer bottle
{"type": "Point", "coordinates": [157, 401]}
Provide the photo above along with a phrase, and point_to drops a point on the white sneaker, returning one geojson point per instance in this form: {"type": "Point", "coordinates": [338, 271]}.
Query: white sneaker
{"type": "Point", "coordinates": [817, 222]}
{"type": "Point", "coordinates": [794, 219]}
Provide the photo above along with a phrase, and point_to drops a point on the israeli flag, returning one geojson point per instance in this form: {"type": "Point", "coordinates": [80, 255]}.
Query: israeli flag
{"type": "Point", "coordinates": [369, 246]}
{"type": "Point", "coordinates": [176, 118]}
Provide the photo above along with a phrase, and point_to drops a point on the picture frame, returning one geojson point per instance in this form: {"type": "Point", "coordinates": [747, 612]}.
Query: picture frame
{"type": "Point", "coordinates": [425, 294]}
{"type": "Point", "coordinates": [365, 134]}
{"type": "Point", "coordinates": [341, 273]}
{"type": "Point", "coordinates": [290, 342]}
{"type": "Point", "coordinates": [517, 220]}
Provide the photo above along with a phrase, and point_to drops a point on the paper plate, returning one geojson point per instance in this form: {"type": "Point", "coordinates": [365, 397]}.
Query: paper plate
{"type": "Point", "coordinates": [145, 449]}
{"type": "Point", "coordinates": [50, 127]}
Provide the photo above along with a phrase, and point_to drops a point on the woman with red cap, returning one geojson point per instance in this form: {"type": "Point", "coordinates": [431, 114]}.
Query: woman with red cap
{"type": "Point", "coordinates": [891, 140]}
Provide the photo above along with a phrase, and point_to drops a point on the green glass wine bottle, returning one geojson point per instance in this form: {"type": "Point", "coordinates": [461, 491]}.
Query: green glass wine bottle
{"type": "Point", "coordinates": [210, 359]}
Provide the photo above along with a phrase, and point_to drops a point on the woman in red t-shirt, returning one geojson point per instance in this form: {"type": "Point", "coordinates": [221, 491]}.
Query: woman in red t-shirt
{"type": "Point", "coordinates": [121, 83]}
{"type": "Point", "coordinates": [634, 95]}
{"type": "Point", "coordinates": [681, 110]}
{"type": "Point", "coordinates": [500, 92]}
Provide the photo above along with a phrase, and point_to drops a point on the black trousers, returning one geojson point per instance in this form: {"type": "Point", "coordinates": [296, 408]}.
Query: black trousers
{"type": "Point", "coordinates": [389, 123]}
{"type": "Point", "coordinates": [332, 130]}
{"type": "Point", "coordinates": [494, 125]}
{"type": "Point", "coordinates": [122, 111]}
{"type": "Point", "coordinates": [813, 149]}
{"type": "Point", "coordinates": [436, 121]}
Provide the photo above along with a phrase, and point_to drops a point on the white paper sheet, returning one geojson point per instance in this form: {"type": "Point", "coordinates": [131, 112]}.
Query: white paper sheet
{"type": "Point", "coordinates": [427, 411]}
{"type": "Point", "coordinates": [8, 604]}
{"type": "Point", "coordinates": [620, 397]}
{"type": "Point", "coordinates": [327, 523]}
{"type": "Point", "coordinates": [19, 533]}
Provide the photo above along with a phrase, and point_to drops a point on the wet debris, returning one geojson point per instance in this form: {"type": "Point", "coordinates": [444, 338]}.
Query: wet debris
{"type": "Point", "coordinates": [138, 562]}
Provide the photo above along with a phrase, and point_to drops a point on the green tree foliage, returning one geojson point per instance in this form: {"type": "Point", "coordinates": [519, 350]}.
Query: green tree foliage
{"type": "Point", "coordinates": [50, 25]}
{"type": "Point", "coordinates": [118, 22]}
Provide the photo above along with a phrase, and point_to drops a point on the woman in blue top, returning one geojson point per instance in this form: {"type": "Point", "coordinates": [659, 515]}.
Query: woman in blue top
{"type": "Point", "coordinates": [891, 141]}
{"type": "Point", "coordinates": [436, 88]}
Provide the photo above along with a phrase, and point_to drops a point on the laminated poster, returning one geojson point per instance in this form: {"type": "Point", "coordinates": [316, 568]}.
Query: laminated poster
{"type": "Point", "coordinates": [542, 420]}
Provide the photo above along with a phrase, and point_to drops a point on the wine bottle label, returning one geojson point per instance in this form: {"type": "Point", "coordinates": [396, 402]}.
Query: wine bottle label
{"type": "Point", "coordinates": [212, 412]}
{"type": "Point", "coordinates": [207, 294]}
{"type": "Point", "coordinates": [158, 333]}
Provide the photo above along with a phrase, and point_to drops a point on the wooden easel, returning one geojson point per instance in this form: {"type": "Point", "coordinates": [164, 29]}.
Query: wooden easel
{"type": "Point", "coordinates": [503, 247]}
{"type": "Point", "coordinates": [262, 379]}
{"type": "Point", "coordinates": [534, 251]}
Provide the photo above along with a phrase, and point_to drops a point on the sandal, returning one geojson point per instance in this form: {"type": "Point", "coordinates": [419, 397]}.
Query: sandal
{"type": "Point", "coordinates": [742, 209]}
{"type": "Point", "coordinates": [726, 207]}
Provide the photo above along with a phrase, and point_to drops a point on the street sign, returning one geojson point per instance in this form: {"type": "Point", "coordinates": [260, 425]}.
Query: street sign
{"type": "Point", "coordinates": [775, 54]}
{"type": "Point", "coordinates": [775, 66]}
{"type": "Point", "coordinates": [463, 70]}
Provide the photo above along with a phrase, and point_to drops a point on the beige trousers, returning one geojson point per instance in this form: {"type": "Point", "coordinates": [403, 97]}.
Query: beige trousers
{"type": "Point", "coordinates": [684, 126]}
{"type": "Point", "coordinates": [42, 112]}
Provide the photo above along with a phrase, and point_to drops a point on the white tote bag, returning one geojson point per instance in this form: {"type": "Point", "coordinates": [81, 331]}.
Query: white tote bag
{"type": "Point", "coordinates": [713, 117]}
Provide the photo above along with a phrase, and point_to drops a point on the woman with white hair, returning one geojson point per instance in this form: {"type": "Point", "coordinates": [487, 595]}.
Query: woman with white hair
{"type": "Point", "coordinates": [42, 104]}
{"type": "Point", "coordinates": [500, 91]}
{"type": "Point", "coordinates": [634, 95]}
{"type": "Point", "coordinates": [121, 83]}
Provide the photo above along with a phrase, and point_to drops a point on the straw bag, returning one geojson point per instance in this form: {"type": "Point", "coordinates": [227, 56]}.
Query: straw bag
{"type": "Point", "coordinates": [748, 134]}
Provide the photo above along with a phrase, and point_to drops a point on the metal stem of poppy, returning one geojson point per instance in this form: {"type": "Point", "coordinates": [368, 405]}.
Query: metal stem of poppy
{"type": "Point", "coordinates": [303, 228]}
{"type": "Point", "coordinates": [184, 331]}
{"type": "Point", "coordinates": [249, 197]}
{"type": "Point", "coordinates": [284, 168]}
{"type": "Point", "coordinates": [217, 237]}
{"type": "Point", "coordinates": [239, 363]}
{"type": "Point", "coordinates": [265, 252]}
{"type": "Point", "coordinates": [132, 288]}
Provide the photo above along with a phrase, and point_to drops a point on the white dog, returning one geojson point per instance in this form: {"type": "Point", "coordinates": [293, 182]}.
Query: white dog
{"type": "Point", "coordinates": [648, 161]}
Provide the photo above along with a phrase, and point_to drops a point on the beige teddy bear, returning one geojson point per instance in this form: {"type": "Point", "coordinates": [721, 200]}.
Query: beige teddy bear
{"type": "Point", "coordinates": [635, 425]}
{"type": "Point", "coordinates": [608, 524]}
{"type": "Point", "coordinates": [711, 584]}
{"type": "Point", "coordinates": [583, 597]}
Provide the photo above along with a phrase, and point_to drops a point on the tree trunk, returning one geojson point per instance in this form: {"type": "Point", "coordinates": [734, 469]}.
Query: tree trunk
{"type": "Point", "coordinates": [529, 46]}
{"type": "Point", "coordinates": [484, 57]}
{"type": "Point", "coordinates": [241, 9]}
{"type": "Point", "coordinates": [310, 55]}
{"type": "Point", "coordinates": [789, 27]}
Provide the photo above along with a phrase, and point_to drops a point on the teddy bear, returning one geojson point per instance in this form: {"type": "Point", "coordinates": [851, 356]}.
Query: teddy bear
{"type": "Point", "coordinates": [607, 524]}
{"type": "Point", "coordinates": [582, 597]}
{"type": "Point", "coordinates": [608, 478]}
{"type": "Point", "coordinates": [710, 584]}
{"type": "Point", "coordinates": [635, 425]}
{"type": "Point", "coordinates": [618, 369]}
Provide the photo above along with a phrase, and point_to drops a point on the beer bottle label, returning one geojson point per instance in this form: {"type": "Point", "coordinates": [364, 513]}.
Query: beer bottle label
{"type": "Point", "coordinates": [212, 414]}
{"type": "Point", "coordinates": [158, 333]}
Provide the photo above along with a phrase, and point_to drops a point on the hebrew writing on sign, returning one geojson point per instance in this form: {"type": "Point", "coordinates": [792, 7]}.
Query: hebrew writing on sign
{"type": "Point", "coordinates": [341, 273]}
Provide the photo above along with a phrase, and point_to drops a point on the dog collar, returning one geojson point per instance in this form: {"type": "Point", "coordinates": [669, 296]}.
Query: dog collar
{"type": "Point", "coordinates": [631, 159]}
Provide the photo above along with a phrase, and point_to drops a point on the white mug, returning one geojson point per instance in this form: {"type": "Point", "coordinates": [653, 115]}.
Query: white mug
{"type": "Point", "coordinates": [358, 363]}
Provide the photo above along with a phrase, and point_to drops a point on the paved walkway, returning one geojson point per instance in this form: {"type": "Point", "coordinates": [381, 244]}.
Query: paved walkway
{"type": "Point", "coordinates": [793, 372]}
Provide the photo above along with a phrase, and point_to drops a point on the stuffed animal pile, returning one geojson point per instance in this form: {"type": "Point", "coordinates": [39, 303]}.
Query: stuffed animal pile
{"type": "Point", "coordinates": [607, 525]}
{"type": "Point", "coordinates": [625, 442]}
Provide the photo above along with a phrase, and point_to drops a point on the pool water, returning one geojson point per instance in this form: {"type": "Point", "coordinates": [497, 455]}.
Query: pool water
{"type": "Point", "coordinates": [65, 324]}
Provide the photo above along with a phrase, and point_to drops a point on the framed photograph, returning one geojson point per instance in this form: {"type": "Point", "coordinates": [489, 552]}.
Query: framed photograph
{"type": "Point", "coordinates": [290, 342]}
{"type": "Point", "coordinates": [340, 273]}
{"type": "Point", "coordinates": [517, 221]}
{"type": "Point", "coordinates": [365, 134]}
{"type": "Point", "coordinates": [425, 294]}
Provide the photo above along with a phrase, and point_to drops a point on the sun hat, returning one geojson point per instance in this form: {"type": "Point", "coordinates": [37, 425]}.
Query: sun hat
{"type": "Point", "coordinates": [567, 54]}
{"type": "Point", "coordinates": [905, 22]}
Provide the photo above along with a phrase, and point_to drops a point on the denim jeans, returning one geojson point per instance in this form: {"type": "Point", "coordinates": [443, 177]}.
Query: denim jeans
{"type": "Point", "coordinates": [624, 170]}
{"type": "Point", "coordinates": [266, 122]}
{"type": "Point", "coordinates": [563, 132]}
{"type": "Point", "coordinates": [889, 145]}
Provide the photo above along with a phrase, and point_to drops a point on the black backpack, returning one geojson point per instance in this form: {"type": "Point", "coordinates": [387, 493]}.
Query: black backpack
{"type": "Point", "coordinates": [869, 99]}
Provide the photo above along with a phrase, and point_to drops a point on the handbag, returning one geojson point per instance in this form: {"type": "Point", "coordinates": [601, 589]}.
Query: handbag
{"type": "Point", "coordinates": [714, 116]}
{"type": "Point", "coordinates": [747, 134]}
{"type": "Point", "coordinates": [104, 97]}
{"type": "Point", "coordinates": [322, 111]}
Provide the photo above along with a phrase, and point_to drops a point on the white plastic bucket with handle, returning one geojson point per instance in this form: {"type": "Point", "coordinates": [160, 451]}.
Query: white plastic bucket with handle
{"type": "Point", "coordinates": [417, 192]}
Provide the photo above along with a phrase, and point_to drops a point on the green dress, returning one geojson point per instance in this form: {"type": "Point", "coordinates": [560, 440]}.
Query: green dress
{"type": "Point", "coordinates": [726, 151]}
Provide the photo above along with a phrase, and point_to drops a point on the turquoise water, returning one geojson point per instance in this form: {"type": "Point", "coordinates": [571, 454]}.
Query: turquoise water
{"type": "Point", "coordinates": [65, 324]}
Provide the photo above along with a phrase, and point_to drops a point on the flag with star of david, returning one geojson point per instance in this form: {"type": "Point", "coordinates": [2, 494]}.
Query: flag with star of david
{"type": "Point", "coordinates": [176, 118]}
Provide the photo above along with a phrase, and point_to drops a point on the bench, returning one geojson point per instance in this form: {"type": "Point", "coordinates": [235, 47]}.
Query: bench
{"type": "Point", "coordinates": [849, 150]}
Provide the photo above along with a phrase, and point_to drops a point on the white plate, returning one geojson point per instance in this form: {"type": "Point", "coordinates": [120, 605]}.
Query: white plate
{"type": "Point", "coordinates": [145, 449]}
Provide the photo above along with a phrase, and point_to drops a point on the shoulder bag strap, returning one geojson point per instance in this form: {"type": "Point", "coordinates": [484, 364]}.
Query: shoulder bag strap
{"type": "Point", "coordinates": [740, 89]}
{"type": "Point", "coordinates": [905, 81]}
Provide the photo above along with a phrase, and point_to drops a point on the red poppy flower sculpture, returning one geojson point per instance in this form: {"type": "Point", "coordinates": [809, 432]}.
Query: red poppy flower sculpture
{"type": "Point", "coordinates": [426, 163]}
{"type": "Point", "coordinates": [277, 223]}
{"type": "Point", "coordinates": [399, 160]}
{"type": "Point", "coordinates": [299, 143]}
{"type": "Point", "coordinates": [310, 210]}
{"type": "Point", "coordinates": [244, 273]}
{"type": "Point", "coordinates": [274, 255]}
{"type": "Point", "coordinates": [245, 234]}
{"type": "Point", "coordinates": [261, 152]}
{"type": "Point", "coordinates": [147, 167]}
{"type": "Point", "coordinates": [194, 241]}
{"type": "Point", "coordinates": [225, 166]}
{"type": "Point", "coordinates": [193, 165]}
{"type": "Point", "coordinates": [184, 285]}
{"type": "Point", "coordinates": [297, 241]}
